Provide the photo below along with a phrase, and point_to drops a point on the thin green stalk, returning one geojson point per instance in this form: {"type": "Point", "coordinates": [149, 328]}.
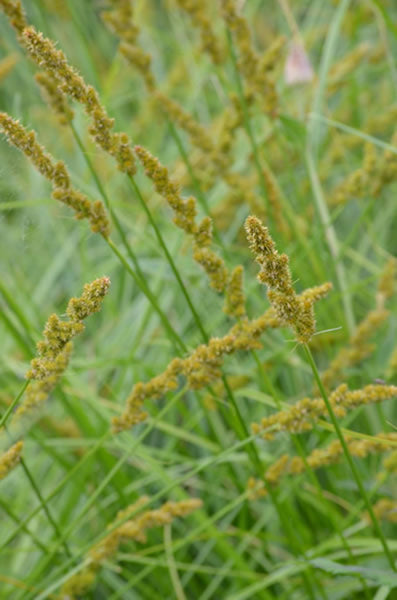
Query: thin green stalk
{"type": "Point", "coordinates": [176, 338]}
{"type": "Point", "coordinates": [297, 443]}
{"type": "Point", "coordinates": [13, 404]}
{"type": "Point", "coordinates": [332, 241]}
{"type": "Point", "coordinates": [284, 519]}
{"type": "Point", "coordinates": [176, 582]}
{"type": "Point", "coordinates": [168, 256]}
{"type": "Point", "coordinates": [44, 506]}
{"type": "Point", "coordinates": [5, 506]}
{"type": "Point", "coordinates": [348, 456]}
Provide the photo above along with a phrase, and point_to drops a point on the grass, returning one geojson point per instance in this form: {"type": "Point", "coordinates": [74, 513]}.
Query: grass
{"type": "Point", "coordinates": [317, 533]}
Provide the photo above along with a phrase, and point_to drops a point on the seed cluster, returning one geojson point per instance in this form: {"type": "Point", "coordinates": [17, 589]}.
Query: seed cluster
{"type": "Point", "coordinates": [54, 62]}
{"type": "Point", "coordinates": [10, 459]}
{"type": "Point", "coordinates": [301, 416]}
{"type": "Point", "coordinates": [294, 311]}
{"type": "Point", "coordinates": [57, 174]}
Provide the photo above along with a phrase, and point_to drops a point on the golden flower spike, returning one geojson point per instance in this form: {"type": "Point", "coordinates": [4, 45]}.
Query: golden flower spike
{"type": "Point", "coordinates": [319, 458]}
{"type": "Point", "coordinates": [198, 11]}
{"type": "Point", "coordinates": [10, 459]}
{"type": "Point", "coordinates": [55, 349]}
{"type": "Point", "coordinates": [200, 368]}
{"type": "Point", "coordinates": [295, 311]}
{"type": "Point", "coordinates": [254, 72]}
{"type": "Point", "coordinates": [302, 415]}
{"type": "Point", "coordinates": [44, 53]}
{"type": "Point", "coordinates": [57, 174]}
{"type": "Point", "coordinates": [185, 218]}
{"type": "Point", "coordinates": [235, 299]}
{"type": "Point", "coordinates": [14, 11]}
{"type": "Point", "coordinates": [54, 97]}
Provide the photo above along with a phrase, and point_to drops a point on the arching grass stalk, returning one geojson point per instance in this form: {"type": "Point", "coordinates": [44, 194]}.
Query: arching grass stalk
{"type": "Point", "coordinates": [167, 325]}
{"type": "Point", "coordinates": [44, 506]}
{"type": "Point", "coordinates": [168, 256]}
{"type": "Point", "coordinates": [5, 506]}
{"type": "Point", "coordinates": [173, 569]}
{"type": "Point", "coordinates": [348, 456]}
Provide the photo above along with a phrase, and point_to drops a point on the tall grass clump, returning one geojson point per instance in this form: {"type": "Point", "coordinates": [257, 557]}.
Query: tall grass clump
{"type": "Point", "coordinates": [199, 428]}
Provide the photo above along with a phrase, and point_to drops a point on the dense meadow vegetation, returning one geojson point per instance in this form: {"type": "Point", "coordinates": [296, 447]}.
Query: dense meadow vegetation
{"type": "Point", "coordinates": [197, 299]}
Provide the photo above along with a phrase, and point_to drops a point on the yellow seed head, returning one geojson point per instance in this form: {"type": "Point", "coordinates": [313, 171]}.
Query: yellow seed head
{"type": "Point", "coordinates": [235, 299]}
{"type": "Point", "coordinates": [296, 311]}
{"type": "Point", "coordinates": [54, 62]}
{"type": "Point", "coordinates": [57, 174]}
{"type": "Point", "coordinates": [301, 416]}
{"type": "Point", "coordinates": [38, 391]}
{"type": "Point", "coordinates": [54, 96]}
{"type": "Point", "coordinates": [7, 64]}
{"type": "Point", "coordinates": [332, 454]}
{"type": "Point", "coordinates": [198, 11]}
{"type": "Point", "coordinates": [14, 11]}
{"type": "Point", "coordinates": [58, 333]}
{"type": "Point", "coordinates": [201, 367]}
{"type": "Point", "coordinates": [10, 459]}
